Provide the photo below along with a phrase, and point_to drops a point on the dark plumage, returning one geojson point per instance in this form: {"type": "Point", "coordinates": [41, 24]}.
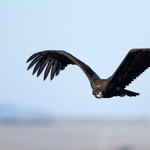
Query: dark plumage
{"type": "Point", "coordinates": [135, 62]}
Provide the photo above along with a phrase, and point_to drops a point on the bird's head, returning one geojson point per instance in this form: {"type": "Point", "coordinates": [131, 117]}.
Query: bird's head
{"type": "Point", "coordinates": [98, 93]}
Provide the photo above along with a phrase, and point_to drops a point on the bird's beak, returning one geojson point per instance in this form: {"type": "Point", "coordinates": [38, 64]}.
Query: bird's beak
{"type": "Point", "coordinates": [99, 95]}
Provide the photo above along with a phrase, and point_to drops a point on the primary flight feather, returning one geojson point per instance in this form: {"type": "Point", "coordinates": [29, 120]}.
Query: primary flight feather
{"type": "Point", "coordinates": [135, 62]}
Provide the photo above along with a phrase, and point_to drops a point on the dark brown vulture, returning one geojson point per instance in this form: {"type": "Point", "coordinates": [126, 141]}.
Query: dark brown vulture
{"type": "Point", "coordinates": [135, 62]}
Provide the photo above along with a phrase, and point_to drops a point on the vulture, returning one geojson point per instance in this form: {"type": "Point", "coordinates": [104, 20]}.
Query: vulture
{"type": "Point", "coordinates": [135, 62]}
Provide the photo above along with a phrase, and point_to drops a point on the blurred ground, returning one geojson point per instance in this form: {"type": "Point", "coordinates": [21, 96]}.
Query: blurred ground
{"type": "Point", "coordinates": [73, 134]}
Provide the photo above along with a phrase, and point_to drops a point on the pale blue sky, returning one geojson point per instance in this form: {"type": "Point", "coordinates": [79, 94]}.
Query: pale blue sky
{"type": "Point", "coordinates": [99, 32]}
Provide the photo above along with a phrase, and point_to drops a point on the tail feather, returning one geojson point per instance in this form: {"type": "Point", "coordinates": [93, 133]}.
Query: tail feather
{"type": "Point", "coordinates": [129, 93]}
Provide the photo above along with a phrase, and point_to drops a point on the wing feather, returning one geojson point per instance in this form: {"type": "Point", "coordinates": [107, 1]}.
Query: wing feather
{"type": "Point", "coordinates": [33, 56]}
{"type": "Point", "coordinates": [54, 68]}
{"type": "Point", "coordinates": [58, 69]}
{"type": "Point", "coordinates": [47, 70]}
{"type": "Point", "coordinates": [36, 67]}
{"type": "Point", "coordinates": [42, 66]}
{"type": "Point", "coordinates": [35, 60]}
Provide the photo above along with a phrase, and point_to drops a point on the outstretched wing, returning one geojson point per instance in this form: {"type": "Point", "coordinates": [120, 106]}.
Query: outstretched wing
{"type": "Point", "coordinates": [53, 61]}
{"type": "Point", "coordinates": [135, 62]}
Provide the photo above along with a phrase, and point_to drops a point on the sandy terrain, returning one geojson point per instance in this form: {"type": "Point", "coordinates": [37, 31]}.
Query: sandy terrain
{"type": "Point", "coordinates": [77, 135]}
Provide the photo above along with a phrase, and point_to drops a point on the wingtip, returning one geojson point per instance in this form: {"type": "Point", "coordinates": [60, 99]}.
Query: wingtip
{"type": "Point", "coordinates": [27, 61]}
{"type": "Point", "coordinates": [51, 78]}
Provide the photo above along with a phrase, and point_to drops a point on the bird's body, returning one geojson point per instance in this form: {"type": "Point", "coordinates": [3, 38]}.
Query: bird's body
{"type": "Point", "coordinates": [135, 62]}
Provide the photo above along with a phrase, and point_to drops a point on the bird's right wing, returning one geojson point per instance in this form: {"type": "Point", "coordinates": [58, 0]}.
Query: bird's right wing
{"type": "Point", "coordinates": [54, 61]}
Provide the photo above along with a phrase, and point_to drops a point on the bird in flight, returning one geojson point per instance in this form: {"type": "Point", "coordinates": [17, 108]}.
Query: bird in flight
{"type": "Point", "coordinates": [135, 62]}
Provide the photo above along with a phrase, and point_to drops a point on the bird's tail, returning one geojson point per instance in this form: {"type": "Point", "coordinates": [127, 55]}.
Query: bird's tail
{"type": "Point", "coordinates": [129, 93]}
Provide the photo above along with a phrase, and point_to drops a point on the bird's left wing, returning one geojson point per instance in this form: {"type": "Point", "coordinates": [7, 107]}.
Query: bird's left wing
{"type": "Point", "coordinates": [56, 60]}
{"type": "Point", "coordinates": [135, 62]}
